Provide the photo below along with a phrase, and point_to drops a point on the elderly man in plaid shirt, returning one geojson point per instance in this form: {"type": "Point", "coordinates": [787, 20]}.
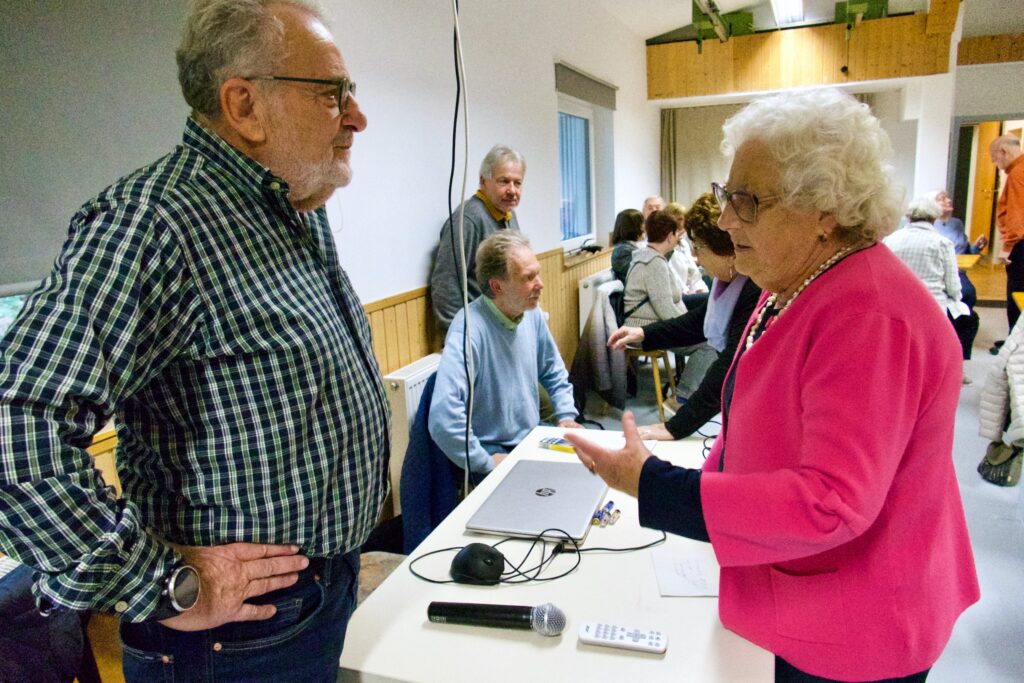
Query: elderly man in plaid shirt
{"type": "Point", "coordinates": [199, 303]}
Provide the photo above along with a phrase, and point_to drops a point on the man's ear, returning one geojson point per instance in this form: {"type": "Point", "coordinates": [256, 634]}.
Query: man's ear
{"type": "Point", "coordinates": [495, 285]}
{"type": "Point", "coordinates": [239, 111]}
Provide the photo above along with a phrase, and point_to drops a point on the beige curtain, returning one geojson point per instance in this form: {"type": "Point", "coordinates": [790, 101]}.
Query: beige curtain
{"type": "Point", "coordinates": [668, 154]}
{"type": "Point", "coordinates": [690, 151]}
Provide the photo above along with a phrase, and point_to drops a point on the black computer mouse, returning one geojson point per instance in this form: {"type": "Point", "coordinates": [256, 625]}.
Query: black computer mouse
{"type": "Point", "coordinates": [478, 564]}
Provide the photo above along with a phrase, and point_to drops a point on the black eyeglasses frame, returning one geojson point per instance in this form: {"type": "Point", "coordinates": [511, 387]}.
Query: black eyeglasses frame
{"type": "Point", "coordinates": [346, 88]}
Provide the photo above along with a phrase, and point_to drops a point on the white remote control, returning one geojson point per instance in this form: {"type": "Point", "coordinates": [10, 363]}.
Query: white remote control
{"type": "Point", "coordinates": [613, 635]}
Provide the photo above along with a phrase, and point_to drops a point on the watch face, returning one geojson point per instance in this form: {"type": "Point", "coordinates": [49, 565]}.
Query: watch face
{"type": "Point", "coordinates": [186, 588]}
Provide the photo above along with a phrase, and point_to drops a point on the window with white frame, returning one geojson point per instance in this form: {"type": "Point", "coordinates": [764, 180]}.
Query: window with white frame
{"type": "Point", "coordinates": [576, 169]}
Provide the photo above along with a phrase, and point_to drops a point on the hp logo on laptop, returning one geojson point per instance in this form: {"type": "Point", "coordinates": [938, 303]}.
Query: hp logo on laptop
{"type": "Point", "coordinates": [544, 492]}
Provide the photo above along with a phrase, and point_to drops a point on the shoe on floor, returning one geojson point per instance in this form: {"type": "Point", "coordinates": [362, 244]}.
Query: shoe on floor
{"type": "Point", "coordinates": [995, 347]}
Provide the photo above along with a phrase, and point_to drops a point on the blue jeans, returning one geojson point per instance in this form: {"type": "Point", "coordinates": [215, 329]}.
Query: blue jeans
{"type": "Point", "coordinates": [301, 642]}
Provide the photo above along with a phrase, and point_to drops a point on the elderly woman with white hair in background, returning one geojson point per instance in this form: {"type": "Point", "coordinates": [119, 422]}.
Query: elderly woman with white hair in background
{"type": "Point", "coordinates": [931, 257]}
{"type": "Point", "coordinates": [829, 496]}
{"type": "Point", "coordinates": [952, 228]}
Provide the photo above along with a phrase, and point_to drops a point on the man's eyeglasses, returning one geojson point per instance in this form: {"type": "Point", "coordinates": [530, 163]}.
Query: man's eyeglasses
{"type": "Point", "coordinates": [743, 203]}
{"type": "Point", "coordinates": [346, 88]}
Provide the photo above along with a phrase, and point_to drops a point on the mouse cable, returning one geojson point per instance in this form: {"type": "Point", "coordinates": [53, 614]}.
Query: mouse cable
{"type": "Point", "coordinates": [518, 575]}
{"type": "Point", "coordinates": [426, 555]}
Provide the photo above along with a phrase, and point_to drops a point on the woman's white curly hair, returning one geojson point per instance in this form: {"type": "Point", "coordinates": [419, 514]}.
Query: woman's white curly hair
{"type": "Point", "coordinates": [833, 156]}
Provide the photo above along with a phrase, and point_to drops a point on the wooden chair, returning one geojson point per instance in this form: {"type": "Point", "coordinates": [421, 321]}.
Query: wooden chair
{"type": "Point", "coordinates": [633, 353]}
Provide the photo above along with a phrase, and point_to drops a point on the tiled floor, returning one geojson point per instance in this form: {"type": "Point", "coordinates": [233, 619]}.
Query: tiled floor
{"type": "Point", "coordinates": [986, 643]}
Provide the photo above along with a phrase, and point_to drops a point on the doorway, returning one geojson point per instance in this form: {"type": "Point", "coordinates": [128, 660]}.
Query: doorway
{"type": "Point", "coordinates": [974, 184]}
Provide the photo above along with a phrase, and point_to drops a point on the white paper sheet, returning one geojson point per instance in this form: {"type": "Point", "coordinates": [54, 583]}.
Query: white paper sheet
{"type": "Point", "coordinates": [689, 572]}
{"type": "Point", "coordinates": [611, 440]}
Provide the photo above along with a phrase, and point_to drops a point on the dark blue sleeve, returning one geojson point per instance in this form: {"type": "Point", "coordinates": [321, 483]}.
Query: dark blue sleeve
{"type": "Point", "coordinates": [669, 499]}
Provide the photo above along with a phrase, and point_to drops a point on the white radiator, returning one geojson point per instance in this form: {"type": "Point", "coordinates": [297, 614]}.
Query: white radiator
{"type": "Point", "coordinates": [588, 293]}
{"type": "Point", "coordinates": [404, 387]}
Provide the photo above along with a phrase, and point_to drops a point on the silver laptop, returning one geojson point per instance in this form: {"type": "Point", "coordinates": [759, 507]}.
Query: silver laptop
{"type": "Point", "coordinates": [540, 495]}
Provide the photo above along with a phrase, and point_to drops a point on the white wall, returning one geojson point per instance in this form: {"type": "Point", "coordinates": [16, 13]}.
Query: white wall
{"type": "Point", "coordinates": [903, 136]}
{"type": "Point", "coordinates": [88, 92]}
{"type": "Point", "coordinates": [990, 90]}
{"type": "Point", "coordinates": [401, 161]}
{"type": "Point", "coordinates": [92, 94]}
{"type": "Point", "coordinates": [928, 100]}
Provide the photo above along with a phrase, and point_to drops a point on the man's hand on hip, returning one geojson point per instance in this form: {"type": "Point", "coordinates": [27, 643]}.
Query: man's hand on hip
{"type": "Point", "coordinates": [231, 574]}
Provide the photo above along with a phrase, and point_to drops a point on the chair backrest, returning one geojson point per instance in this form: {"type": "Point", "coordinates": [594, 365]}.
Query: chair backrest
{"type": "Point", "coordinates": [429, 489]}
{"type": "Point", "coordinates": [588, 290]}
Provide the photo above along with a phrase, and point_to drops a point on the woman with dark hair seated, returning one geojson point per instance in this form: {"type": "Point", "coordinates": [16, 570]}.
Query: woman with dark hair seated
{"type": "Point", "coordinates": [627, 236]}
{"type": "Point", "coordinates": [652, 292]}
{"type": "Point", "coordinates": [719, 321]}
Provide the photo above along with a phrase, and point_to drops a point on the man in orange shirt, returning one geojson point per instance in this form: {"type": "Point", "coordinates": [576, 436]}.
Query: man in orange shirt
{"type": "Point", "coordinates": [1006, 154]}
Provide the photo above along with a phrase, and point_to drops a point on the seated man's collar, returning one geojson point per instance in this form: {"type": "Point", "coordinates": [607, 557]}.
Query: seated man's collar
{"type": "Point", "coordinates": [506, 322]}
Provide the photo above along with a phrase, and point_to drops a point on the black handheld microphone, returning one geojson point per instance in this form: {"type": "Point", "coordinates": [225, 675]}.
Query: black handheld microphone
{"type": "Point", "coordinates": [545, 619]}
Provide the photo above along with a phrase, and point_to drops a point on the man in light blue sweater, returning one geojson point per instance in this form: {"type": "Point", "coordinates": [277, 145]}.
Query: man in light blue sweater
{"type": "Point", "coordinates": [512, 351]}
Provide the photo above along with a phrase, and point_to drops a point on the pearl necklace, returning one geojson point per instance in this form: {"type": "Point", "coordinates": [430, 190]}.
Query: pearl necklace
{"type": "Point", "coordinates": [835, 258]}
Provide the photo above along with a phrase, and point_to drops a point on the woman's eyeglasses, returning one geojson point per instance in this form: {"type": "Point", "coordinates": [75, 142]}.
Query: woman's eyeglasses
{"type": "Point", "coordinates": [744, 204]}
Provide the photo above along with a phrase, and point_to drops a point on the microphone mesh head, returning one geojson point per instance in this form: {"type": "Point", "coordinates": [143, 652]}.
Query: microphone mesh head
{"type": "Point", "coordinates": [547, 619]}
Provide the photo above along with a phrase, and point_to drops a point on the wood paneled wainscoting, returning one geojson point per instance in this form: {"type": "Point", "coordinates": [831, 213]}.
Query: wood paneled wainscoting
{"type": "Point", "coordinates": [404, 328]}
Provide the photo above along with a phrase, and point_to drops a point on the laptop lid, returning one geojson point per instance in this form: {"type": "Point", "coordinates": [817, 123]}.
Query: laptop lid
{"type": "Point", "coordinates": [538, 495]}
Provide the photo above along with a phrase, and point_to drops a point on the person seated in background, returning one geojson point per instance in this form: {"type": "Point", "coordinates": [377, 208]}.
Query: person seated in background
{"type": "Point", "coordinates": [652, 293]}
{"type": "Point", "coordinates": [512, 351]}
{"type": "Point", "coordinates": [720, 321]}
{"type": "Point", "coordinates": [626, 237]}
{"type": "Point", "coordinates": [652, 204]}
{"type": "Point", "coordinates": [680, 260]}
{"type": "Point", "coordinates": [953, 230]}
{"type": "Point", "coordinates": [931, 257]}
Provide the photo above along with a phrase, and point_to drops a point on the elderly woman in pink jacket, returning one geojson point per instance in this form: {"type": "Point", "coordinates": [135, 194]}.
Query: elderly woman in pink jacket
{"type": "Point", "coordinates": [829, 496]}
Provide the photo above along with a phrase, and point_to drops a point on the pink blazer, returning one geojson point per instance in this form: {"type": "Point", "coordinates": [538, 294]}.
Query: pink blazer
{"type": "Point", "coordinates": [837, 519]}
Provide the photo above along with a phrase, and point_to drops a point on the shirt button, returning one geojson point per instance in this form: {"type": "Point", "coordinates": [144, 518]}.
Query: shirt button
{"type": "Point", "coordinates": [120, 606]}
{"type": "Point", "coordinates": [217, 647]}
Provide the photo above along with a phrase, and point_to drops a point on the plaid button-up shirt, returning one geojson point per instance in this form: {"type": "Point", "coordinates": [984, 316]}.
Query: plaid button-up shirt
{"type": "Point", "coordinates": [215, 324]}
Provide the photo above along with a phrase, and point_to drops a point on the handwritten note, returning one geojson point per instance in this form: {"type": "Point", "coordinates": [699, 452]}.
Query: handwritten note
{"type": "Point", "coordinates": [687, 572]}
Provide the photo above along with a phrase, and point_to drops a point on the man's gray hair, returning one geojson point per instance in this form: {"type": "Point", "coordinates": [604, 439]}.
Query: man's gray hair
{"type": "Point", "coordinates": [492, 257]}
{"type": "Point", "coordinates": [500, 154]}
{"type": "Point", "coordinates": [924, 209]}
{"type": "Point", "coordinates": [227, 39]}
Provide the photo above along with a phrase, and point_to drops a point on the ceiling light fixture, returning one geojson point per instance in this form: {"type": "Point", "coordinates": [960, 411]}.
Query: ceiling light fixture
{"type": "Point", "coordinates": [788, 12]}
